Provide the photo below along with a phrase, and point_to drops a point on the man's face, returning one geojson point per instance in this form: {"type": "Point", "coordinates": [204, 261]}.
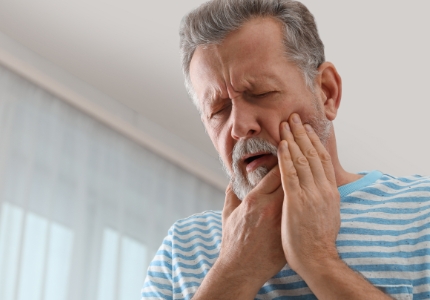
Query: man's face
{"type": "Point", "coordinates": [246, 87]}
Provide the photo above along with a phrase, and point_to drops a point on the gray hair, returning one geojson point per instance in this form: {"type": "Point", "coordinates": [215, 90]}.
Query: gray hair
{"type": "Point", "coordinates": [212, 21]}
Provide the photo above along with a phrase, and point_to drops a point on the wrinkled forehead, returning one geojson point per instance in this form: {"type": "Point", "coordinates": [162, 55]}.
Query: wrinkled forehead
{"type": "Point", "coordinates": [244, 57]}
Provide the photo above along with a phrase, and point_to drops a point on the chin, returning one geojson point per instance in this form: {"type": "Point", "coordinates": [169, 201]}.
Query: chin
{"type": "Point", "coordinates": [242, 185]}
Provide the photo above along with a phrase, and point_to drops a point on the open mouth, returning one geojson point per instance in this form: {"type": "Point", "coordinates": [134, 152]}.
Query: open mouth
{"type": "Point", "coordinates": [252, 158]}
{"type": "Point", "coordinates": [253, 161]}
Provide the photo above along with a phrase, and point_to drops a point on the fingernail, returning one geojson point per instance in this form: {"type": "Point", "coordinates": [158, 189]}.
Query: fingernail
{"type": "Point", "coordinates": [309, 128]}
{"type": "Point", "coordinates": [287, 127]}
{"type": "Point", "coordinates": [296, 118]}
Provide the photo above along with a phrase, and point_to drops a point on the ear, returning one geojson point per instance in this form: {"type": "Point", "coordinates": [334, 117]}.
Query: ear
{"type": "Point", "coordinates": [330, 85]}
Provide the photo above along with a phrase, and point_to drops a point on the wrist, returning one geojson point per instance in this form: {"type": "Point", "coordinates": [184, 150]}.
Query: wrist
{"type": "Point", "coordinates": [224, 282]}
{"type": "Point", "coordinates": [332, 278]}
{"type": "Point", "coordinates": [319, 267]}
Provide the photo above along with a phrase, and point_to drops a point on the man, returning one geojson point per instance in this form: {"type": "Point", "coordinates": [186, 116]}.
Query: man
{"type": "Point", "coordinates": [294, 223]}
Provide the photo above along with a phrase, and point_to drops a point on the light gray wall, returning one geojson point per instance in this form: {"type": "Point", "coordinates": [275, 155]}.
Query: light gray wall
{"type": "Point", "coordinates": [381, 49]}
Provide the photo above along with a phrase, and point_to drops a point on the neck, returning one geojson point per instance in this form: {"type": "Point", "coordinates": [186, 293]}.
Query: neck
{"type": "Point", "coordinates": [342, 177]}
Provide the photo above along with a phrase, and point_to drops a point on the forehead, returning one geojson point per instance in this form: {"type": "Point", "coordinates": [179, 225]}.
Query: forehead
{"type": "Point", "coordinates": [245, 57]}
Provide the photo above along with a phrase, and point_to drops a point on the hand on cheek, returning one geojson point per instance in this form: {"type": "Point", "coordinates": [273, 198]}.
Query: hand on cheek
{"type": "Point", "coordinates": [311, 208]}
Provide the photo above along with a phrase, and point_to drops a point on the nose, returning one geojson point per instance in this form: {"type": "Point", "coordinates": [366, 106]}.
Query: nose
{"type": "Point", "coordinates": [244, 120]}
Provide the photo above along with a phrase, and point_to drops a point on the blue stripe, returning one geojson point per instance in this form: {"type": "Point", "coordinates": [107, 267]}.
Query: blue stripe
{"type": "Point", "coordinates": [360, 243]}
{"type": "Point", "coordinates": [372, 254]}
{"type": "Point", "coordinates": [197, 245]}
{"type": "Point", "coordinates": [195, 255]}
{"type": "Point", "coordinates": [387, 210]}
{"type": "Point", "coordinates": [364, 231]}
{"type": "Point", "coordinates": [158, 285]}
{"type": "Point", "coordinates": [394, 186]}
{"type": "Point", "coordinates": [160, 263]}
{"type": "Point", "coordinates": [196, 236]}
{"type": "Point", "coordinates": [184, 286]}
{"type": "Point", "coordinates": [376, 191]}
{"type": "Point", "coordinates": [197, 229]}
{"type": "Point", "coordinates": [192, 256]}
{"type": "Point", "coordinates": [407, 180]}
{"type": "Point", "coordinates": [382, 221]}
{"type": "Point", "coordinates": [392, 267]}
{"type": "Point", "coordinates": [167, 243]}
{"type": "Point", "coordinates": [284, 286]}
{"type": "Point", "coordinates": [189, 275]}
{"type": "Point", "coordinates": [161, 275]}
{"type": "Point", "coordinates": [195, 222]}
{"type": "Point", "coordinates": [360, 201]}
{"type": "Point", "coordinates": [196, 266]}
{"type": "Point", "coordinates": [422, 295]}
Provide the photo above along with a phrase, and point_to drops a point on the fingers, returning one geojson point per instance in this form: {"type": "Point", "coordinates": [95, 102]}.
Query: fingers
{"type": "Point", "coordinates": [290, 180]}
{"type": "Point", "coordinates": [231, 202]}
{"type": "Point", "coordinates": [323, 155]}
{"type": "Point", "coordinates": [306, 158]}
{"type": "Point", "coordinates": [270, 183]}
{"type": "Point", "coordinates": [302, 153]}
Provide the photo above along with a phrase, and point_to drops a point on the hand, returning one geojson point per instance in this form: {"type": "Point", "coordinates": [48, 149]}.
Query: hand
{"type": "Point", "coordinates": [311, 208]}
{"type": "Point", "coordinates": [251, 250]}
{"type": "Point", "coordinates": [251, 241]}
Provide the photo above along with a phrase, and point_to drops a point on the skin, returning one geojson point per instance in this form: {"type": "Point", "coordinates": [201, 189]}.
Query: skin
{"type": "Point", "coordinates": [247, 88]}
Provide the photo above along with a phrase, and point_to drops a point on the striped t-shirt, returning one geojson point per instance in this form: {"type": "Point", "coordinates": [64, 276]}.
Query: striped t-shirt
{"type": "Point", "coordinates": [384, 235]}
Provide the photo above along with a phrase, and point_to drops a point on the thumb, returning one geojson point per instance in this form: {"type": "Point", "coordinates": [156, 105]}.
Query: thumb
{"type": "Point", "coordinates": [231, 202]}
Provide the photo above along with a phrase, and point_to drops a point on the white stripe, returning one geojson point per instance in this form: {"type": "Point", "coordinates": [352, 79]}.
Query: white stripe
{"type": "Point", "coordinates": [388, 227]}
{"type": "Point", "coordinates": [378, 198]}
{"type": "Point", "coordinates": [422, 288]}
{"type": "Point", "coordinates": [397, 248]}
{"type": "Point", "coordinates": [385, 238]}
{"type": "Point", "coordinates": [386, 189]}
{"type": "Point", "coordinates": [383, 205]}
{"type": "Point", "coordinates": [386, 216]}
{"type": "Point", "coordinates": [194, 227]}
{"type": "Point", "coordinates": [196, 234]}
{"type": "Point", "coordinates": [198, 240]}
{"type": "Point", "coordinates": [366, 261]}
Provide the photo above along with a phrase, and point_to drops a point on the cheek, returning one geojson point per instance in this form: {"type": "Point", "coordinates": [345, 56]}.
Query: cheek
{"type": "Point", "coordinates": [272, 121]}
{"type": "Point", "coordinates": [222, 143]}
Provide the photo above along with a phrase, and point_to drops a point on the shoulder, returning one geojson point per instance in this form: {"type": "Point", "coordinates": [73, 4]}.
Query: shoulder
{"type": "Point", "coordinates": [414, 186]}
{"type": "Point", "coordinates": [206, 218]}
{"type": "Point", "coordinates": [395, 188]}
{"type": "Point", "coordinates": [405, 195]}
{"type": "Point", "coordinates": [205, 223]}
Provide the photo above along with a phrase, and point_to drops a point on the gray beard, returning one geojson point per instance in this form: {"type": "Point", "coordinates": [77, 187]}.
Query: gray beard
{"type": "Point", "coordinates": [241, 183]}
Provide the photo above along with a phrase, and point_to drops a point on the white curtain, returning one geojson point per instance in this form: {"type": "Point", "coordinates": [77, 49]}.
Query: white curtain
{"type": "Point", "coordinates": [82, 208]}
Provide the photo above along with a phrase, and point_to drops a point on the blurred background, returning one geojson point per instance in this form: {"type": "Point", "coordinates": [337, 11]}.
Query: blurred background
{"type": "Point", "coordinates": [101, 150]}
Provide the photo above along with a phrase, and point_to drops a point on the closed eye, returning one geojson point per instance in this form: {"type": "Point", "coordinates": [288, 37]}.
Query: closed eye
{"type": "Point", "coordinates": [262, 95]}
{"type": "Point", "coordinates": [220, 111]}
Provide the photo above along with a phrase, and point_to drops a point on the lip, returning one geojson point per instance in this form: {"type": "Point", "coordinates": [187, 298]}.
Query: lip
{"type": "Point", "coordinates": [245, 157]}
{"type": "Point", "coordinates": [257, 162]}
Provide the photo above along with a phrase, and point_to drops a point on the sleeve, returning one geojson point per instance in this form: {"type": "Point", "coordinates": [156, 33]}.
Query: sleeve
{"type": "Point", "coordinates": [158, 283]}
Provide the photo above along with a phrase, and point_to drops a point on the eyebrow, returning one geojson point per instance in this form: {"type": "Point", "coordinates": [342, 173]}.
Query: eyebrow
{"type": "Point", "coordinates": [212, 97]}
{"type": "Point", "coordinates": [264, 79]}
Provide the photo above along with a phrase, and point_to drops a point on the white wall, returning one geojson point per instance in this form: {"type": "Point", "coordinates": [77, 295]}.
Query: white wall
{"type": "Point", "coordinates": [381, 49]}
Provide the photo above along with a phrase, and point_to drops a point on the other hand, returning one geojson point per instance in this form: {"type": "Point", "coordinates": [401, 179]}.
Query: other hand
{"type": "Point", "coordinates": [311, 207]}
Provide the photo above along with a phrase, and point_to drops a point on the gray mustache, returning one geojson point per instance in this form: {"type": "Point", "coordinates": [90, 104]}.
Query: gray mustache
{"type": "Point", "coordinates": [251, 146]}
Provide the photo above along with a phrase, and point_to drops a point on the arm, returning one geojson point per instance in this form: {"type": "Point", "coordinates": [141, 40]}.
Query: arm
{"type": "Point", "coordinates": [311, 217]}
{"type": "Point", "coordinates": [158, 282]}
